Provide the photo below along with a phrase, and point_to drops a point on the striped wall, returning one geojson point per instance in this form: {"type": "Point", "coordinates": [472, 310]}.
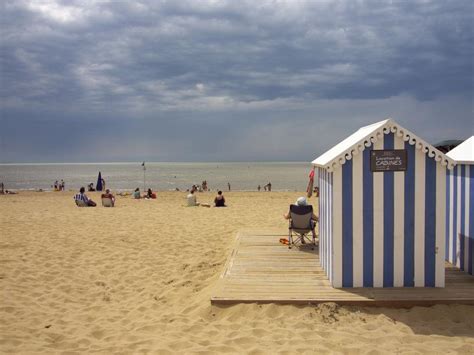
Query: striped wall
{"type": "Point", "coordinates": [388, 228]}
{"type": "Point", "coordinates": [325, 220]}
{"type": "Point", "coordinates": [460, 217]}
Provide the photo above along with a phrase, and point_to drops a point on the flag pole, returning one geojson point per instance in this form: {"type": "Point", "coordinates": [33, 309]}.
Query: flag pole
{"type": "Point", "coordinates": [144, 177]}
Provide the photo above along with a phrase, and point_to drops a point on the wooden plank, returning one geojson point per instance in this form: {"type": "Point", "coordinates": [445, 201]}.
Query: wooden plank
{"type": "Point", "coordinates": [262, 270]}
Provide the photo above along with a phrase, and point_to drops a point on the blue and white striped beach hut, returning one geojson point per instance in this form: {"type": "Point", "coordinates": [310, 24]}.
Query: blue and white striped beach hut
{"type": "Point", "coordinates": [383, 228]}
{"type": "Point", "coordinates": [460, 207]}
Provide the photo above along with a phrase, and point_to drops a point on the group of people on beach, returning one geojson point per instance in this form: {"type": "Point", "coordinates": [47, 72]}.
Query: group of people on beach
{"type": "Point", "coordinates": [267, 187]}
{"type": "Point", "coordinates": [219, 200]}
{"type": "Point", "coordinates": [205, 187]}
{"type": "Point", "coordinates": [91, 188]}
{"type": "Point", "coordinates": [83, 200]}
{"type": "Point", "coordinates": [148, 195]}
{"type": "Point", "coordinates": [4, 191]}
{"type": "Point", "coordinates": [59, 186]}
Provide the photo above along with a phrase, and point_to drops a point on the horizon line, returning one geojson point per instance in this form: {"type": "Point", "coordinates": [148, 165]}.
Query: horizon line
{"type": "Point", "coordinates": [154, 162]}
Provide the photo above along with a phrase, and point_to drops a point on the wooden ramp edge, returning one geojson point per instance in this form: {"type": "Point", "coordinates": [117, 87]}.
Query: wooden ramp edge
{"type": "Point", "coordinates": [260, 269]}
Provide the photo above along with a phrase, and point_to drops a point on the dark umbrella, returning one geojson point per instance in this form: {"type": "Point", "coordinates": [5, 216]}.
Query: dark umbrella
{"type": "Point", "coordinates": [98, 186]}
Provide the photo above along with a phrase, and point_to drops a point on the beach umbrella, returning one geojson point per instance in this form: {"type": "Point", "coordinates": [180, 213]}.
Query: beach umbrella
{"type": "Point", "coordinates": [98, 186]}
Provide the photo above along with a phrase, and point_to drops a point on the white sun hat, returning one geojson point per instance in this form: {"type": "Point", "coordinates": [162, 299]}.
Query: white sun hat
{"type": "Point", "coordinates": [301, 201]}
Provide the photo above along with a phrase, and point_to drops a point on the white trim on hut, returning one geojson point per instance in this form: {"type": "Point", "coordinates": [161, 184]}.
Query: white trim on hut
{"type": "Point", "coordinates": [460, 207]}
{"type": "Point", "coordinates": [383, 229]}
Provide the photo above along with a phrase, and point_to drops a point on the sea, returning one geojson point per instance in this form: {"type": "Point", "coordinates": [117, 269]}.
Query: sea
{"type": "Point", "coordinates": [159, 176]}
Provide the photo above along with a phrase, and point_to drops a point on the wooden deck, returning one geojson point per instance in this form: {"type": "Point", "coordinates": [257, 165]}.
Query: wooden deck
{"type": "Point", "coordinates": [262, 270]}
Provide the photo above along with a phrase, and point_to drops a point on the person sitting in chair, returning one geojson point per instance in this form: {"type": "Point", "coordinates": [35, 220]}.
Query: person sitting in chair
{"type": "Point", "coordinates": [109, 196]}
{"type": "Point", "coordinates": [219, 201]}
{"type": "Point", "coordinates": [301, 201]}
{"type": "Point", "coordinates": [81, 196]}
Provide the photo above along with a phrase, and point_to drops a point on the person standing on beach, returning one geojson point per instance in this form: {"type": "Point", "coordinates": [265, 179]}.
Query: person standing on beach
{"type": "Point", "coordinates": [258, 188]}
{"type": "Point", "coordinates": [228, 185]}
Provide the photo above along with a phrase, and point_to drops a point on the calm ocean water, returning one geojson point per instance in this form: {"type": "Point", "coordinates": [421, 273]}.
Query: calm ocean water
{"type": "Point", "coordinates": [284, 176]}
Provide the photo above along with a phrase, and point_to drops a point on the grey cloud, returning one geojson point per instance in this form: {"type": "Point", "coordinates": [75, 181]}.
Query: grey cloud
{"type": "Point", "coordinates": [246, 67]}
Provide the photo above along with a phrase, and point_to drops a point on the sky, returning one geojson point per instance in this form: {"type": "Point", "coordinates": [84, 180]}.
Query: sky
{"type": "Point", "coordinates": [95, 81]}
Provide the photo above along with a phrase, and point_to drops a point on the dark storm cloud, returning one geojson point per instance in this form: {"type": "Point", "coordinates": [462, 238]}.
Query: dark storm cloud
{"type": "Point", "coordinates": [165, 76]}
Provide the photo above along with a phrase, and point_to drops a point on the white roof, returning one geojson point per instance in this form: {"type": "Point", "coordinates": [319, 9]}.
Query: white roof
{"type": "Point", "coordinates": [347, 143]}
{"type": "Point", "coordinates": [464, 152]}
{"type": "Point", "coordinates": [365, 136]}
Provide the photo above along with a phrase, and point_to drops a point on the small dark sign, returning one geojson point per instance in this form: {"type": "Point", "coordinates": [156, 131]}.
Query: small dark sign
{"type": "Point", "coordinates": [388, 160]}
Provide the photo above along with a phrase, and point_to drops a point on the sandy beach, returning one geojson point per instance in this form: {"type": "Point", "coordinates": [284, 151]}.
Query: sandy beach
{"type": "Point", "coordinates": [138, 278]}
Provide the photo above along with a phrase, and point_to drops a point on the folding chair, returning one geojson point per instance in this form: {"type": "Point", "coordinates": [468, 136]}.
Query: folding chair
{"type": "Point", "coordinates": [107, 202]}
{"type": "Point", "coordinates": [300, 225]}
